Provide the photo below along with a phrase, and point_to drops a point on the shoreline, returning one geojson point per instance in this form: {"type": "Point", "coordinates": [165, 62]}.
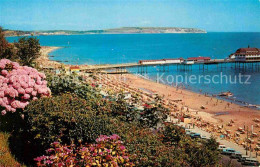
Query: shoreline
{"type": "Point", "coordinates": [219, 118]}
{"type": "Point", "coordinates": [45, 60]}
{"type": "Point", "coordinates": [218, 112]}
{"type": "Point", "coordinates": [192, 99]}
{"type": "Point", "coordinates": [225, 98]}
{"type": "Point", "coordinates": [107, 33]}
{"type": "Point", "coordinates": [229, 117]}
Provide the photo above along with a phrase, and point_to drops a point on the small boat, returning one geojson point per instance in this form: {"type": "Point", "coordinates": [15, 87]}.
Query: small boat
{"type": "Point", "coordinates": [229, 94]}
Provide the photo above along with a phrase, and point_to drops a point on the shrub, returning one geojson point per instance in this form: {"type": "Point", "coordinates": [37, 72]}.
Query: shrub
{"type": "Point", "coordinates": [63, 83]}
{"type": "Point", "coordinates": [19, 85]}
{"type": "Point", "coordinates": [165, 147]}
{"type": "Point", "coordinates": [108, 151]}
{"type": "Point", "coordinates": [152, 115]}
{"type": "Point", "coordinates": [145, 146]}
{"type": "Point", "coordinates": [63, 118]}
{"type": "Point", "coordinates": [117, 108]}
{"type": "Point", "coordinates": [201, 154]}
{"type": "Point", "coordinates": [28, 49]}
{"type": "Point", "coordinates": [173, 134]}
{"type": "Point", "coordinates": [7, 50]}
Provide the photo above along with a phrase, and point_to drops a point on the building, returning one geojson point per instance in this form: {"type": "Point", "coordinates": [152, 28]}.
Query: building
{"type": "Point", "coordinates": [74, 69]}
{"type": "Point", "coordinates": [173, 61]}
{"type": "Point", "coordinates": [188, 62]}
{"type": "Point", "coordinates": [199, 59]}
{"type": "Point", "coordinates": [244, 54]}
{"type": "Point", "coordinates": [151, 62]}
{"type": "Point", "coordinates": [161, 61]}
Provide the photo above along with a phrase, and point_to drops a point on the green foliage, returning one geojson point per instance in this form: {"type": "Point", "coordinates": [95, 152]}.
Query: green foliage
{"type": "Point", "coordinates": [166, 147]}
{"type": "Point", "coordinates": [3, 43]}
{"type": "Point", "coordinates": [63, 118]}
{"type": "Point", "coordinates": [28, 49]}
{"type": "Point", "coordinates": [201, 154]}
{"type": "Point", "coordinates": [146, 146]}
{"type": "Point", "coordinates": [73, 84]}
{"type": "Point", "coordinates": [152, 115]}
{"type": "Point", "coordinates": [117, 108]}
{"type": "Point", "coordinates": [11, 121]}
{"type": "Point", "coordinates": [173, 134]}
{"type": "Point", "coordinates": [7, 50]}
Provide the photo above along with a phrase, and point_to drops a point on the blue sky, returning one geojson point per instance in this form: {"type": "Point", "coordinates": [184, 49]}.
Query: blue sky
{"type": "Point", "coordinates": [211, 15]}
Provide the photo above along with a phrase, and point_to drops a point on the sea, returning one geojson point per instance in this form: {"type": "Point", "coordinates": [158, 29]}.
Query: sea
{"type": "Point", "coordinates": [243, 82]}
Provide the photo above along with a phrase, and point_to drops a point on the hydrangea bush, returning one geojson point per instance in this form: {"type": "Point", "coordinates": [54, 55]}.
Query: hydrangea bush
{"type": "Point", "coordinates": [19, 85]}
{"type": "Point", "coordinates": [108, 151]}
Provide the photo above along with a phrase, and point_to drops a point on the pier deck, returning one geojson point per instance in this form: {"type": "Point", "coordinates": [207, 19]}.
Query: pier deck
{"type": "Point", "coordinates": [130, 65]}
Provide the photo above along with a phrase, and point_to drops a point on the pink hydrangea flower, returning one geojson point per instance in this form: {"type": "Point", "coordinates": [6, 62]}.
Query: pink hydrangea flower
{"type": "Point", "coordinates": [19, 85]}
{"type": "Point", "coordinates": [4, 72]}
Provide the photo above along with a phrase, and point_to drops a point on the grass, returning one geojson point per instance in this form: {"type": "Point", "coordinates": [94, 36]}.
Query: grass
{"type": "Point", "coordinates": [6, 158]}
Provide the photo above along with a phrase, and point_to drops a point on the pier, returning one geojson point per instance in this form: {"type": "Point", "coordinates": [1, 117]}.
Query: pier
{"type": "Point", "coordinates": [181, 65]}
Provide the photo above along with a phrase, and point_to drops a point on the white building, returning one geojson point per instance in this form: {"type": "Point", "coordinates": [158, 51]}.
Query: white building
{"type": "Point", "coordinates": [245, 54]}
{"type": "Point", "coordinates": [161, 61]}
{"type": "Point", "coordinates": [173, 61]}
{"type": "Point", "coordinates": [189, 62]}
{"type": "Point", "coordinates": [150, 62]}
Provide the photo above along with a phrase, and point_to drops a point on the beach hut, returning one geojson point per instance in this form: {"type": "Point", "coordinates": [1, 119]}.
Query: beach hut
{"type": "Point", "coordinates": [185, 119]}
{"type": "Point", "coordinates": [74, 69]}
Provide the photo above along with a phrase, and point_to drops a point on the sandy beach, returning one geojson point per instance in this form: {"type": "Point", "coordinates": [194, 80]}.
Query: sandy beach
{"type": "Point", "coordinates": [44, 60]}
{"type": "Point", "coordinates": [219, 117]}
{"type": "Point", "coordinates": [220, 110]}
{"type": "Point", "coordinates": [215, 113]}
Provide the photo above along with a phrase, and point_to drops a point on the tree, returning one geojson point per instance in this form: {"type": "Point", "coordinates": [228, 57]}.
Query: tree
{"type": "Point", "coordinates": [28, 49]}
{"type": "Point", "coordinates": [173, 134]}
{"type": "Point", "coordinates": [7, 50]}
{"type": "Point", "coordinates": [202, 154]}
{"type": "Point", "coordinates": [3, 42]}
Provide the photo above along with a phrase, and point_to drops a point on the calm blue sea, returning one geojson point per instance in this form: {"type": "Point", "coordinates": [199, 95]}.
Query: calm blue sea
{"type": "Point", "coordinates": [127, 48]}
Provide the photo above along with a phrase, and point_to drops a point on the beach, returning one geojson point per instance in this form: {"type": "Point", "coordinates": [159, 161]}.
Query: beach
{"type": "Point", "coordinates": [219, 117]}
{"type": "Point", "coordinates": [44, 60]}
{"type": "Point", "coordinates": [220, 110]}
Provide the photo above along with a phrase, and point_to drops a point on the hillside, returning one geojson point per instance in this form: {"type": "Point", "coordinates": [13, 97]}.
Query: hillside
{"type": "Point", "coordinates": [123, 30]}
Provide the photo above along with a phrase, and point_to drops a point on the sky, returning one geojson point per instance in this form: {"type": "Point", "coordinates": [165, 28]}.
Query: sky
{"type": "Point", "coordinates": [210, 15]}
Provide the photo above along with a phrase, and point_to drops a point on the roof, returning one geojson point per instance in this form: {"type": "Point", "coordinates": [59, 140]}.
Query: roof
{"type": "Point", "coordinates": [74, 68]}
{"type": "Point", "coordinates": [248, 51]}
{"type": "Point", "coordinates": [199, 58]}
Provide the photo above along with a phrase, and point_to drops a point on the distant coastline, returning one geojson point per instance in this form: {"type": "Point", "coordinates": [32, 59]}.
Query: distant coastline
{"type": "Point", "coordinates": [123, 30]}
